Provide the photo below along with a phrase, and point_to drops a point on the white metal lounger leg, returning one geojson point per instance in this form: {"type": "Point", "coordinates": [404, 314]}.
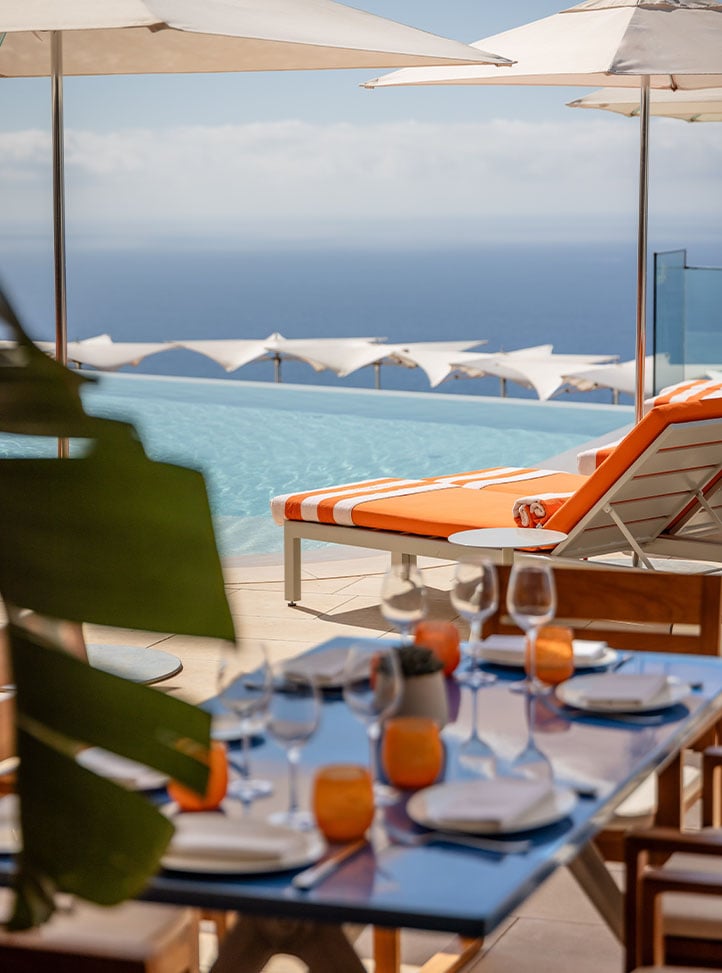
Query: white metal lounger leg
{"type": "Point", "coordinates": [291, 565]}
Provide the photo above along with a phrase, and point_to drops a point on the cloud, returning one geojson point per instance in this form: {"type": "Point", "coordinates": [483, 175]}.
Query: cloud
{"type": "Point", "coordinates": [293, 180]}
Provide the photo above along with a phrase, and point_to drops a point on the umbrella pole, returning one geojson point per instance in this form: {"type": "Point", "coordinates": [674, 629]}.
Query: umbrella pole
{"type": "Point", "coordinates": [640, 352]}
{"type": "Point", "coordinates": [61, 308]}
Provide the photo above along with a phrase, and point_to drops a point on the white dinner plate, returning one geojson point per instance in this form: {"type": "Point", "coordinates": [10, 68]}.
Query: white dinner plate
{"type": "Point", "coordinates": [304, 847]}
{"type": "Point", "coordinates": [127, 773]}
{"type": "Point", "coordinates": [556, 805]}
{"type": "Point", "coordinates": [9, 827]}
{"type": "Point", "coordinates": [572, 693]}
{"type": "Point", "coordinates": [515, 659]}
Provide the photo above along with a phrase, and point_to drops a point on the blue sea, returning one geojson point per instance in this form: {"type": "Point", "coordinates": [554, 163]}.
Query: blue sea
{"type": "Point", "coordinates": [579, 298]}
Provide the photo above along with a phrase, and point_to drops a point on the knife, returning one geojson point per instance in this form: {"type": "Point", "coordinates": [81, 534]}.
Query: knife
{"type": "Point", "coordinates": [311, 877]}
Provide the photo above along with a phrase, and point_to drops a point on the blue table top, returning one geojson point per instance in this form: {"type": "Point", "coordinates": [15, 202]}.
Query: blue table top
{"type": "Point", "coordinates": [454, 889]}
{"type": "Point", "coordinates": [444, 887]}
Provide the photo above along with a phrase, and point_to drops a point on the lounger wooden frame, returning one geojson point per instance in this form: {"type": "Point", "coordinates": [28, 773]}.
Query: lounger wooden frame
{"type": "Point", "coordinates": [667, 502]}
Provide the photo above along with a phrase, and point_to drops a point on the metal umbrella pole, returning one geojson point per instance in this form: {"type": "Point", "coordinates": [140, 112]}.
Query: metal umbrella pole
{"type": "Point", "coordinates": [61, 301]}
{"type": "Point", "coordinates": [642, 248]}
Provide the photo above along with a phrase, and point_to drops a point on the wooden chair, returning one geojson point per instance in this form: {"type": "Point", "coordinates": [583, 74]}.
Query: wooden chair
{"type": "Point", "coordinates": [673, 899]}
{"type": "Point", "coordinates": [130, 938]}
{"type": "Point", "coordinates": [641, 611]}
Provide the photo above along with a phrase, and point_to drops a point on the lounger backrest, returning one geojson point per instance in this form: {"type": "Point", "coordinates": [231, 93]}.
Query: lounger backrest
{"type": "Point", "coordinates": [649, 480]}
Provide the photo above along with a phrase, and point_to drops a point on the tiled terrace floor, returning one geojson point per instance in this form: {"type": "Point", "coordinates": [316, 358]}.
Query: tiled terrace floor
{"type": "Point", "coordinates": [556, 930]}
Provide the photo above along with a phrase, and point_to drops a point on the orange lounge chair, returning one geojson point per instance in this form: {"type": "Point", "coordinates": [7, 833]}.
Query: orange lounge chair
{"type": "Point", "coordinates": [658, 492]}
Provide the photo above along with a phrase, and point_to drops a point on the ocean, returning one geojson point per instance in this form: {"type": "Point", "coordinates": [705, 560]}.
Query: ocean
{"type": "Point", "coordinates": [579, 298]}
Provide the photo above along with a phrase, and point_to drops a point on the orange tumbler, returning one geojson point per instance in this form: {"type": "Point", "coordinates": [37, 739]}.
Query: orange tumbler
{"type": "Point", "coordinates": [188, 800]}
{"type": "Point", "coordinates": [343, 801]}
{"type": "Point", "coordinates": [412, 753]}
{"type": "Point", "coordinates": [554, 654]}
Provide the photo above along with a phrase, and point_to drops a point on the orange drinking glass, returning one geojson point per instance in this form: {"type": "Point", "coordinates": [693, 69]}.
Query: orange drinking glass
{"type": "Point", "coordinates": [412, 753]}
{"type": "Point", "coordinates": [554, 654]}
{"type": "Point", "coordinates": [343, 801]}
{"type": "Point", "coordinates": [188, 800]}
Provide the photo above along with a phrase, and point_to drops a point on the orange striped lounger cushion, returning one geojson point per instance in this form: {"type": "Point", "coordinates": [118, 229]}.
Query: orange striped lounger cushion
{"type": "Point", "coordinates": [430, 507]}
{"type": "Point", "coordinates": [442, 505]}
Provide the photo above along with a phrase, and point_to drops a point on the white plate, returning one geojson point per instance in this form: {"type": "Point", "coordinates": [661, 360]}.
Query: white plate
{"type": "Point", "coordinates": [9, 827]}
{"type": "Point", "coordinates": [127, 773]}
{"type": "Point", "coordinates": [560, 802]}
{"type": "Point", "coordinates": [572, 693]}
{"type": "Point", "coordinates": [305, 847]}
{"type": "Point", "coordinates": [515, 661]}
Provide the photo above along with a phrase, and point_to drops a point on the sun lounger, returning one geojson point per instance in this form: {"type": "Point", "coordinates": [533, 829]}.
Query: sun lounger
{"type": "Point", "coordinates": [658, 492]}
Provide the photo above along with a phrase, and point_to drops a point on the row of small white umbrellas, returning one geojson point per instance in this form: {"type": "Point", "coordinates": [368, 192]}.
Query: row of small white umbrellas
{"type": "Point", "coordinates": [537, 367]}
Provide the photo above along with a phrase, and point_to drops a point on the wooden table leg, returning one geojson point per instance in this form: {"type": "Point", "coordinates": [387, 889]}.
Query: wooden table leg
{"type": "Point", "coordinates": [387, 950]}
{"type": "Point", "coordinates": [251, 942]}
{"type": "Point", "coordinates": [448, 962]}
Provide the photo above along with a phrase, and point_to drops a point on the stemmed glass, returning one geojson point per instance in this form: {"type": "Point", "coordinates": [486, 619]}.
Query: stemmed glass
{"type": "Point", "coordinates": [294, 713]}
{"type": "Point", "coordinates": [246, 692]}
{"type": "Point", "coordinates": [475, 754]}
{"type": "Point", "coordinates": [475, 595]}
{"type": "Point", "coordinates": [531, 600]}
{"type": "Point", "coordinates": [530, 761]}
{"type": "Point", "coordinates": [403, 598]}
{"type": "Point", "coordinates": [372, 690]}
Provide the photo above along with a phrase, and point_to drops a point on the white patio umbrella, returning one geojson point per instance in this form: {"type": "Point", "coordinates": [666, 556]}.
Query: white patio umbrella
{"type": "Point", "coordinates": [41, 38]}
{"type": "Point", "coordinates": [704, 105]}
{"type": "Point", "coordinates": [646, 43]}
{"type": "Point", "coordinates": [617, 376]}
{"type": "Point", "coordinates": [538, 368]}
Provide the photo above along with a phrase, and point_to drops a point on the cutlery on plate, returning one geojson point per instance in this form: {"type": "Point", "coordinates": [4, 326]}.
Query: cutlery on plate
{"type": "Point", "coordinates": [499, 846]}
{"type": "Point", "coordinates": [311, 877]}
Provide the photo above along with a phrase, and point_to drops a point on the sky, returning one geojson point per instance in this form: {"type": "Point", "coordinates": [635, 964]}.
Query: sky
{"type": "Point", "coordinates": [273, 159]}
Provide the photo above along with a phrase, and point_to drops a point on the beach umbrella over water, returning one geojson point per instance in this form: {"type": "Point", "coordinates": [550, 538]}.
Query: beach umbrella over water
{"type": "Point", "coordinates": [646, 43]}
{"type": "Point", "coordinates": [704, 105]}
{"type": "Point", "coordinates": [47, 38]}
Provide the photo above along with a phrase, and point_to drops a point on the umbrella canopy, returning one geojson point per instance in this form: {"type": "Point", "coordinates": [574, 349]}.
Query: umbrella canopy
{"type": "Point", "coordinates": [648, 43]}
{"type": "Point", "coordinates": [538, 368]}
{"type": "Point", "coordinates": [192, 36]}
{"type": "Point", "coordinates": [618, 376]}
{"type": "Point", "coordinates": [703, 105]}
{"type": "Point", "coordinates": [41, 38]}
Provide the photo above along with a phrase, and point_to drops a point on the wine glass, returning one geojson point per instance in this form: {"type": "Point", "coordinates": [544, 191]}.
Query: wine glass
{"type": "Point", "coordinates": [475, 595]}
{"type": "Point", "coordinates": [530, 762]}
{"type": "Point", "coordinates": [403, 598]}
{"type": "Point", "coordinates": [531, 600]}
{"type": "Point", "coordinates": [475, 754]}
{"type": "Point", "coordinates": [372, 689]}
{"type": "Point", "coordinates": [246, 692]}
{"type": "Point", "coordinates": [294, 713]}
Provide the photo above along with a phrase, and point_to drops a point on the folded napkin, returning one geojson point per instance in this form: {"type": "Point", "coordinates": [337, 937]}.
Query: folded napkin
{"type": "Point", "coordinates": [219, 838]}
{"type": "Point", "coordinates": [326, 666]}
{"type": "Point", "coordinates": [489, 805]}
{"type": "Point", "coordinates": [626, 688]}
{"type": "Point", "coordinates": [510, 650]}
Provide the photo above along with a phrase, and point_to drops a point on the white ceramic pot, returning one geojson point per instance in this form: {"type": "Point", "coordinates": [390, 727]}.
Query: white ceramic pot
{"type": "Point", "coordinates": [425, 695]}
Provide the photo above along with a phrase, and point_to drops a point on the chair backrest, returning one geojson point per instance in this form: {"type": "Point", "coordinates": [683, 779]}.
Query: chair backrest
{"type": "Point", "coordinates": [649, 482]}
{"type": "Point", "coordinates": [632, 609]}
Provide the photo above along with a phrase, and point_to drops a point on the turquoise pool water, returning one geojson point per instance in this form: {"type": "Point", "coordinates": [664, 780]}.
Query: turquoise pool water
{"type": "Point", "coordinates": [253, 440]}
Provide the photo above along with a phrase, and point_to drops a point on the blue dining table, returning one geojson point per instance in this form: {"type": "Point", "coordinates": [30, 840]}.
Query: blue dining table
{"type": "Point", "coordinates": [393, 885]}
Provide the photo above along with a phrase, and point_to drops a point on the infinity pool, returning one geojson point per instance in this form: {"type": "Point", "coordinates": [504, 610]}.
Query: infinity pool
{"type": "Point", "coordinates": [253, 440]}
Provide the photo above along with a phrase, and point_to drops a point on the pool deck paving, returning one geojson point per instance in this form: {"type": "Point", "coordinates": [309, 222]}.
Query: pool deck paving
{"type": "Point", "coordinates": [556, 930]}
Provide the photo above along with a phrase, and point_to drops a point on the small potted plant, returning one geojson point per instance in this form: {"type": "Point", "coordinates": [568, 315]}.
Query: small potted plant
{"type": "Point", "coordinates": [424, 686]}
